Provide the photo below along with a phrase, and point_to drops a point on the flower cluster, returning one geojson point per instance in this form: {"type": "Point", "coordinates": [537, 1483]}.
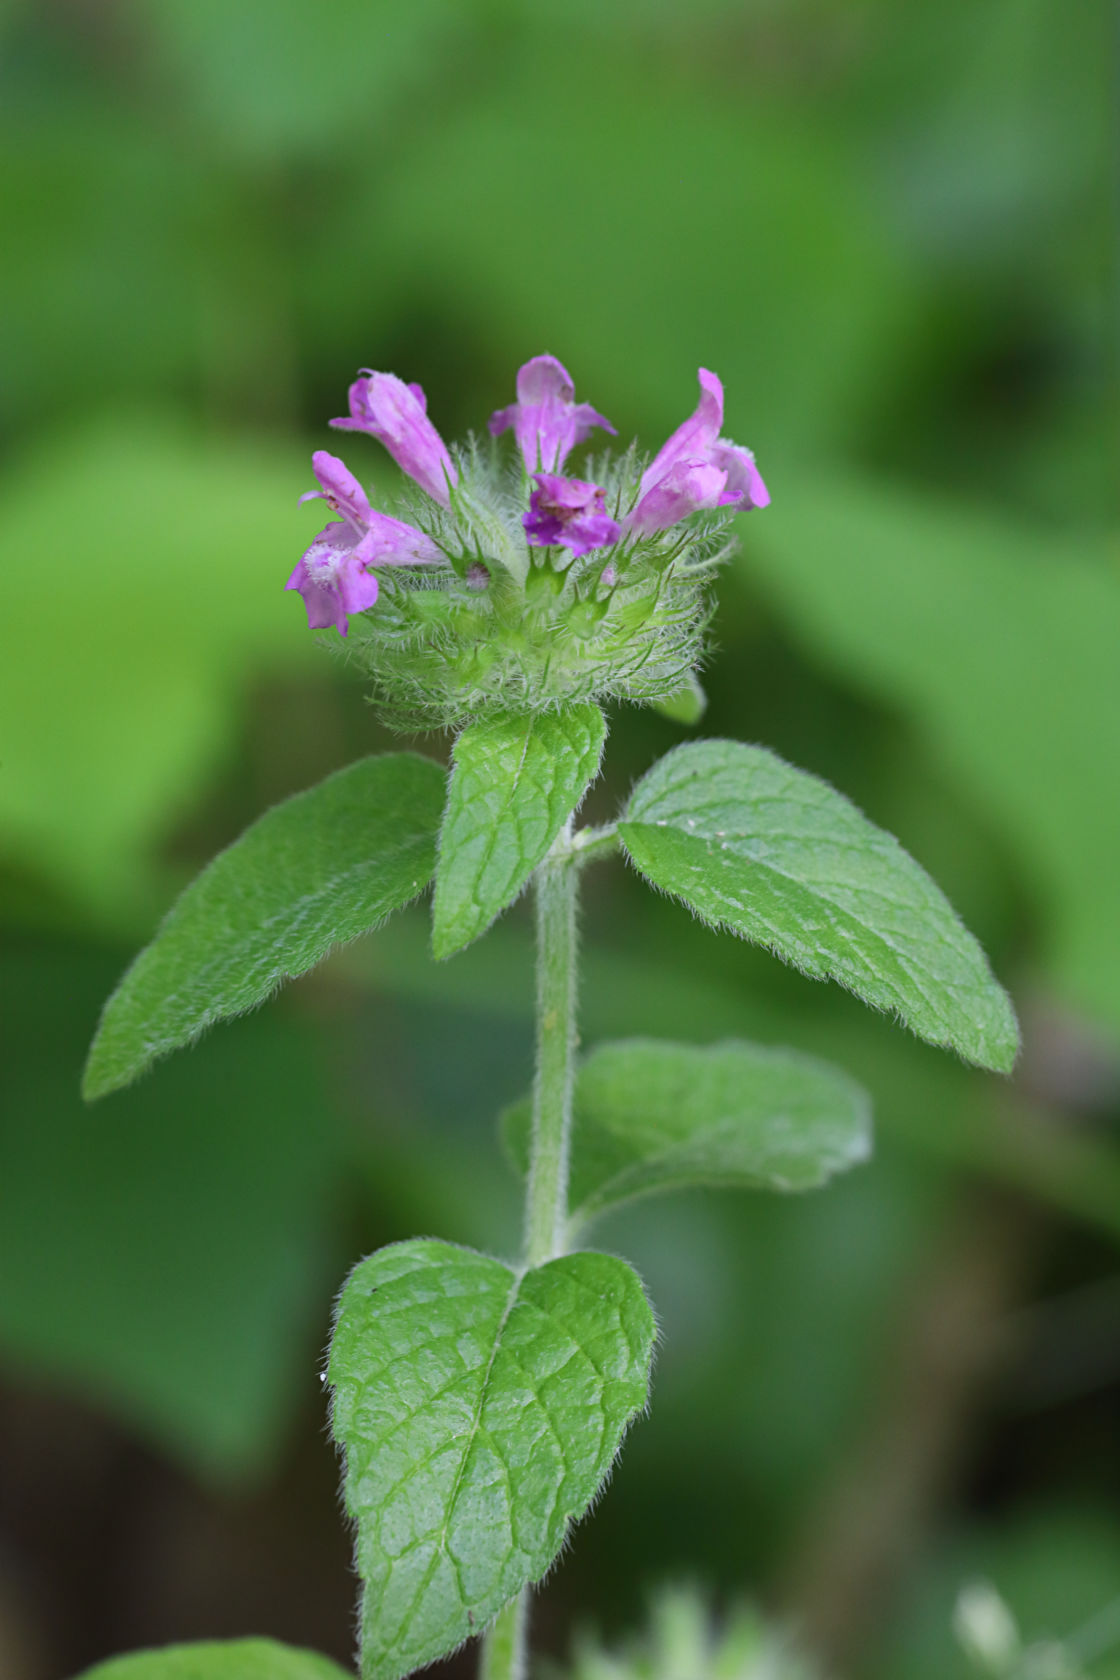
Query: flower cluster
{"type": "Point", "coordinates": [596, 588]}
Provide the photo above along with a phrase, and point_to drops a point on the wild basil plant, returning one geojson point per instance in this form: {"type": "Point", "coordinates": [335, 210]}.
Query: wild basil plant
{"type": "Point", "coordinates": [479, 1401]}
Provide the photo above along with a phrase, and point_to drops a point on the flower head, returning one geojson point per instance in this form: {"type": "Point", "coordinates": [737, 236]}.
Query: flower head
{"type": "Point", "coordinates": [696, 468]}
{"type": "Point", "coordinates": [472, 614]}
{"type": "Point", "coordinates": [569, 512]}
{"type": "Point", "coordinates": [397, 415]}
{"type": "Point", "coordinates": [546, 419]}
{"type": "Point", "coordinates": [332, 575]}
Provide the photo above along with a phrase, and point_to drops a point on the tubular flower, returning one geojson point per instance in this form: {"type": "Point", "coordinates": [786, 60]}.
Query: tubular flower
{"type": "Point", "coordinates": [397, 415]}
{"type": "Point", "coordinates": [547, 421]}
{"type": "Point", "coordinates": [696, 468]}
{"type": "Point", "coordinates": [687, 487]}
{"type": "Point", "coordinates": [568, 512]}
{"type": "Point", "coordinates": [332, 575]}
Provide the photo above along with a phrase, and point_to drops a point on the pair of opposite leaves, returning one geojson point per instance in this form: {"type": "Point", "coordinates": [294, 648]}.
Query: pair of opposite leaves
{"type": "Point", "coordinates": [747, 841]}
{"type": "Point", "coordinates": [479, 1406]}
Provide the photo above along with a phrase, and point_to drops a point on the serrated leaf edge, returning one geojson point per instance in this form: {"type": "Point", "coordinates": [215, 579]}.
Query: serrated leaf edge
{"type": "Point", "coordinates": [92, 1089]}
{"type": "Point", "coordinates": [441, 949]}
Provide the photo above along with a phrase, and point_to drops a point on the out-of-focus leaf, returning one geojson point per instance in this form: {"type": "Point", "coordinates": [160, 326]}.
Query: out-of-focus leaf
{"type": "Point", "coordinates": [706, 224]}
{"type": "Point", "coordinates": [1056, 1565]}
{"type": "Point", "coordinates": [276, 75]}
{"type": "Point", "coordinates": [515, 781]}
{"type": "Point", "coordinates": [1001, 644]}
{"type": "Point", "coordinates": [234, 1659]}
{"type": "Point", "coordinates": [143, 576]}
{"type": "Point", "coordinates": [84, 199]}
{"type": "Point", "coordinates": [651, 1116]}
{"type": "Point", "coordinates": [172, 1253]}
{"type": "Point", "coordinates": [314, 872]}
{"type": "Point", "coordinates": [780, 858]}
{"type": "Point", "coordinates": [480, 1409]}
{"type": "Point", "coordinates": [663, 985]}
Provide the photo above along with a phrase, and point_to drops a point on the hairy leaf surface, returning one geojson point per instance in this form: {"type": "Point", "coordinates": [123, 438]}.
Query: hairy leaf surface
{"type": "Point", "coordinates": [233, 1659]}
{"type": "Point", "coordinates": [653, 1116]}
{"type": "Point", "coordinates": [516, 781]}
{"type": "Point", "coordinates": [779, 857]}
{"type": "Point", "coordinates": [996, 639]}
{"type": "Point", "coordinates": [479, 1410]}
{"type": "Point", "coordinates": [312, 873]}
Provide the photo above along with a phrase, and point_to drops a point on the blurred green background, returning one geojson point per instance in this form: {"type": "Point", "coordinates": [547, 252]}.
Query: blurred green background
{"type": "Point", "coordinates": [891, 229]}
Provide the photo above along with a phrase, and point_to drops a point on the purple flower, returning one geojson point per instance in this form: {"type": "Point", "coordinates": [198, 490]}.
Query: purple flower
{"type": "Point", "coordinates": [546, 419]}
{"type": "Point", "coordinates": [744, 481]}
{"type": "Point", "coordinates": [569, 512]}
{"type": "Point", "coordinates": [339, 489]}
{"type": "Point", "coordinates": [696, 468]}
{"type": "Point", "coordinates": [397, 414]}
{"type": "Point", "coordinates": [333, 580]}
{"type": "Point", "coordinates": [687, 486]}
{"type": "Point", "coordinates": [332, 576]}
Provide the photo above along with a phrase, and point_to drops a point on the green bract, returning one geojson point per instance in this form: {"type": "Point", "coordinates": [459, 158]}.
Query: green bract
{"type": "Point", "coordinates": [508, 628]}
{"type": "Point", "coordinates": [515, 782]}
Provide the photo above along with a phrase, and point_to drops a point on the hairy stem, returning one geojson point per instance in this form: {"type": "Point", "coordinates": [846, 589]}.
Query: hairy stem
{"type": "Point", "coordinates": [546, 1198]}
{"type": "Point", "coordinates": [503, 1649]}
{"type": "Point", "coordinates": [546, 1204]}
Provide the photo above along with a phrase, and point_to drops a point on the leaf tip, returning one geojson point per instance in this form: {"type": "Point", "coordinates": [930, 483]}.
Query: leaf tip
{"type": "Point", "coordinates": [1005, 1053]}
{"type": "Point", "coordinates": [97, 1082]}
{"type": "Point", "coordinates": [447, 941]}
{"type": "Point", "coordinates": [100, 1078]}
{"type": "Point", "coordinates": [1003, 1040]}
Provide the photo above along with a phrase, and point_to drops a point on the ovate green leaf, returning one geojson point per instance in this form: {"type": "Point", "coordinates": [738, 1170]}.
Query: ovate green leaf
{"type": "Point", "coordinates": [317, 870]}
{"type": "Point", "coordinates": [516, 781]}
{"type": "Point", "coordinates": [997, 639]}
{"type": "Point", "coordinates": [779, 857]}
{"type": "Point", "coordinates": [234, 1659]}
{"type": "Point", "coordinates": [653, 1116]}
{"type": "Point", "coordinates": [479, 1409]}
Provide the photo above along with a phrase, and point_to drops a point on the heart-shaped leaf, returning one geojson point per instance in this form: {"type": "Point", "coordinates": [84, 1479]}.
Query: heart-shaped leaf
{"type": "Point", "coordinates": [479, 1409]}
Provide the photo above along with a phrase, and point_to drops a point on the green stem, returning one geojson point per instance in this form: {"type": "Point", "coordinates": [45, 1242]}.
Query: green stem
{"type": "Point", "coordinates": [546, 1197]}
{"type": "Point", "coordinates": [546, 1203]}
{"type": "Point", "coordinates": [503, 1649]}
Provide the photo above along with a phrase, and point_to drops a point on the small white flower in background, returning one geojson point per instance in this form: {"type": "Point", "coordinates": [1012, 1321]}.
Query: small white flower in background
{"type": "Point", "coordinates": [685, 1642]}
{"type": "Point", "coordinates": [1049, 1661]}
{"type": "Point", "coordinates": [990, 1637]}
{"type": "Point", "coordinates": [986, 1629]}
